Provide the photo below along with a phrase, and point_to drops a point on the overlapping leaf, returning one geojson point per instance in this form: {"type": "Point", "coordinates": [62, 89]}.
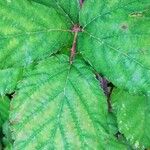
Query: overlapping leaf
{"type": "Point", "coordinates": [68, 8]}
{"type": "Point", "coordinates": [7, 139]}
{"type": "Point", "coordinates": [133, 113]}
{"type": "Point", "coordinates": [29, 32]}
{"type": "Point", "coordinates": [53, 110]}
{"type": "Point", "coordinates": [116, 41]}
{"type": "Point", "coordinates": [61, 106]}
{"type": "Point", "coordinates": [9, 79]}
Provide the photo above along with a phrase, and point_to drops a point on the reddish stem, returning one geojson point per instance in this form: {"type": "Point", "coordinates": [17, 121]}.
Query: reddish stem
{"type": "Point", "coordinates": [81, 2]}
{"type": "Point", "coordinates": [75, 29]}
{"type": "Point", "coordinates": [73, 49]}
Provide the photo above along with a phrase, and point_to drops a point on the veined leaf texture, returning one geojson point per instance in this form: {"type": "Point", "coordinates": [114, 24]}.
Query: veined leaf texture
{"type": "Point", "coordinates": [58, 102]}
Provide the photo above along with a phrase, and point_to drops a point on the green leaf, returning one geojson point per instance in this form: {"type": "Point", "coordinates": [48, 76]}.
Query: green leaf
{"type": "Point", "coordinates": [8, 79]}
{"type": "Point", "coordinates": [7, 139]}
{"type": "Point", "coordinates": [59, 106]}
{"type": "Point", "coordinates": [117, 141]}
{"type": "Point", "coordinates": [114, 144]}
{"type": "Point", "coordinates": [133, 113]}
{"type": "Point", "coordinates": [112, 123]}
{"type": "Point", "coordinates": [4, 110]}
{"type": "Point", "coordinates": [30, 32]}
{"type": "Point", "coordinates": [115, 41]}
{"type": "Point", "coordinates": [69, 8]}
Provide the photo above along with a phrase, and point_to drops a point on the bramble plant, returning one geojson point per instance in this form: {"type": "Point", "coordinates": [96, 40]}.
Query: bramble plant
{"type": "Point", "coordinates": [75, 74]}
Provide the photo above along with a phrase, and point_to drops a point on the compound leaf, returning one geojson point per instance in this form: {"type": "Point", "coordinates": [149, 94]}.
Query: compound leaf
{"type": "Point", "coordinates": [133, 113]}
{"type": "Point", "coordinates": [115, 40]}
{"type": "Point", "coordinates": [59, 105]}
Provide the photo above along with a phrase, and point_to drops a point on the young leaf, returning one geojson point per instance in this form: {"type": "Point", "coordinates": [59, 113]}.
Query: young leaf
{"type": "Point", "coordinates": [29, 32]}
{"type": "Point", "coordinates": [133, 113]}
{"type": "Point", "coordinates": [59, 106]}
{"type": "Point", "coordinates": [115, 40]}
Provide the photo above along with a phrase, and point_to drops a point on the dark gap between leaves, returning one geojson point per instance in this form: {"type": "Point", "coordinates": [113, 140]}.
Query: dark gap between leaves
{"type": "Point", "coordinates": [10, 95]}
{"type": "Point", "coordinates": [1, 138]}
{"type": "Point", "coordinates": [107, 87]}
{"type": "Point", "coordinates": [119, 135]}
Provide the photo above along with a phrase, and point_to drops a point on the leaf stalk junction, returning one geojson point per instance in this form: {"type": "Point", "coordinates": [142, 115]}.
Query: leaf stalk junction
{"type": "Point", "coordinates": [76, 28]}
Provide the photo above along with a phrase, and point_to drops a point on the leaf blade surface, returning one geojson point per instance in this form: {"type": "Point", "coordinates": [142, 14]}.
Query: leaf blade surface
{"type": "Point", "coordinates": [115, 41]}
